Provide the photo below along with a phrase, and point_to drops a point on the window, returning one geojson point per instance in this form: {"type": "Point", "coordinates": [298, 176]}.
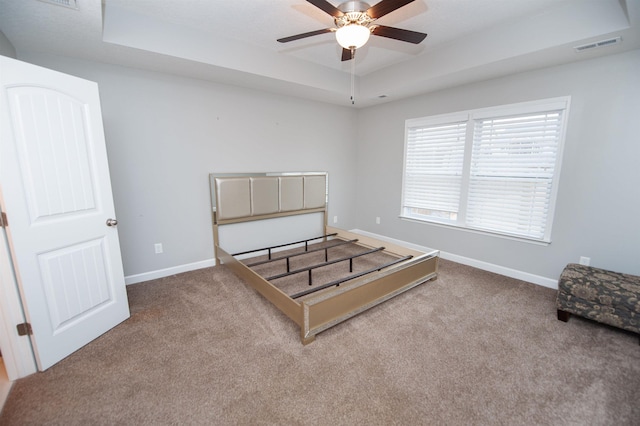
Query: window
{"type": "Point", "coordinates": [494, 170]}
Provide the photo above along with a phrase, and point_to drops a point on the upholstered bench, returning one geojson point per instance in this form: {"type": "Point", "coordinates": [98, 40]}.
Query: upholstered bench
{"type": "Point", "coordinates": [600, 295]}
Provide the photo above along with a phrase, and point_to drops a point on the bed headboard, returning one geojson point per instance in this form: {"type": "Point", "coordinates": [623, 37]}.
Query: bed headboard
{"type": "Point", "coordinates": [244, 197]}
{"type": "Point", "coordinates": [237, 198]}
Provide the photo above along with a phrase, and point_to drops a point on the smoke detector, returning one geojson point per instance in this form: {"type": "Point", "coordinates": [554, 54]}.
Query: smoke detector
{"type": "Point", "coordinates": [71, 4]}
{"type": "Point", "coordinates": [596, 44]}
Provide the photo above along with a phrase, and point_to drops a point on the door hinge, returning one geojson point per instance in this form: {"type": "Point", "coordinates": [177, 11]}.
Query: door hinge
{"type": "Point", "coordinates": [3, 220]}
{"type": "Point", "coordinates": [24, 329]}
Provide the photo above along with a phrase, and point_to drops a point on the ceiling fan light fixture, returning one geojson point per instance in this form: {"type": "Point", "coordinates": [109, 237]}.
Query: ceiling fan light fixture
{"type": "Point", "coordinates": [352, 36]}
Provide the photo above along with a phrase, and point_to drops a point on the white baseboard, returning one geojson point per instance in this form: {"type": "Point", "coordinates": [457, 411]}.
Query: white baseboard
{"type": "Point", "coordinates": [160, 273]}
{"type": "Point", "coordinates": [485, 266]}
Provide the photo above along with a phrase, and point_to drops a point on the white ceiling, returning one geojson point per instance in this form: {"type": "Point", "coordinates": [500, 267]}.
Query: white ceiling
{"type": "Point", "coordinates": [234, 42]}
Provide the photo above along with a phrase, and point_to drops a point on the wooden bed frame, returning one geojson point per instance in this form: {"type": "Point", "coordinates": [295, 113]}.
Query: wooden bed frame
{"type": "Point", "coordinates": [238, 198]}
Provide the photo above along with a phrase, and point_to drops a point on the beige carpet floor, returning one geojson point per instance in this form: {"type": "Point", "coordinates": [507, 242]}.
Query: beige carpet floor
{"type": "Point", "coordinates": [471, 347]}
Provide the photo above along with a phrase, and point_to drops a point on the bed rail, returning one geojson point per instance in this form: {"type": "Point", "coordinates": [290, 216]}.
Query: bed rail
{"type": "Point", "coordinates": [307, 251]}
{"type": "Point", "coordinates": [326, 263]}
{"type": "Point", "coordinates": [306, 245]}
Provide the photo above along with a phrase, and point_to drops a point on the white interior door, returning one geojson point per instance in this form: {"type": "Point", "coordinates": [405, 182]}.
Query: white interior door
{"type": "Point", "coordinates": [56, 192]}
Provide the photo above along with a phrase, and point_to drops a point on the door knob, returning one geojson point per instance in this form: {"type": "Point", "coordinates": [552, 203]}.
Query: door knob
{"type": "Point", "coordinates": [112, 222]}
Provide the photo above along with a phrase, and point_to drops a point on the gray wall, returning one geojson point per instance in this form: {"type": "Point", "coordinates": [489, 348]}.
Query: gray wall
{"type": "Point", "coordinates": [6, 48]}
{"type": "Point", "coordinates": [165, 134]}
{"type": "Point", "coordinates": [599, 194]}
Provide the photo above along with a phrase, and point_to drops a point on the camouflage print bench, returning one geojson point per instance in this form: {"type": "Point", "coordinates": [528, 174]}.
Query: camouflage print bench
{"type": "Point", "coordinates": [608, 297]}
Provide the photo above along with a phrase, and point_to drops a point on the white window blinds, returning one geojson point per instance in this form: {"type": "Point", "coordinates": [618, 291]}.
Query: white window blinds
{"type": "Point", "coordinates": [512, 169]}
{"type": "Point", "coordinates": [496, 170]}
{"type": "Point", "coordinates": [433, 169]}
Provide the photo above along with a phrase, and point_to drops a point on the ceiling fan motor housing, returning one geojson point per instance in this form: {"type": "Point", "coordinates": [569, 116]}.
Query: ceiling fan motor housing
{"type": "Point", "coordinates": [355, 12]}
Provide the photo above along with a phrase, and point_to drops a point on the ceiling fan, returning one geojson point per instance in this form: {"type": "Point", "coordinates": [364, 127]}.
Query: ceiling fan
{"type": "Point", "coordinates": [355, 23]}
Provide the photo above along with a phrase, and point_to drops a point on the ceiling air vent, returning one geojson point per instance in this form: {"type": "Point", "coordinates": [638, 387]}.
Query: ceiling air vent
{"type": "Point", "coordinates": [596, 44]}
{"type": "Point", "coordinates": [71, 4]}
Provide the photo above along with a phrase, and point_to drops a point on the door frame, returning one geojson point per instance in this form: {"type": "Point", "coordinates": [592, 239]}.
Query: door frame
{"type": "Point", "coordinates": [17, 352]}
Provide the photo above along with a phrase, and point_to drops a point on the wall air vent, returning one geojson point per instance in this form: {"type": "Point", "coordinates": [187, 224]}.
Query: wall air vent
{"type": "Point", "coordinates": [71, 4]}
{"type": "Point", "coordinates": [596, 44]}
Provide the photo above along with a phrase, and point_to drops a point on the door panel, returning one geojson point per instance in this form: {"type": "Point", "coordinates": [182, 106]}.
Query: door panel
{"type": "Point", "coordinates": [53, 151]}
{"type": "Point", "coordinates": [75, 282]}
{"type": "Point", "coordinates": [56, 190]}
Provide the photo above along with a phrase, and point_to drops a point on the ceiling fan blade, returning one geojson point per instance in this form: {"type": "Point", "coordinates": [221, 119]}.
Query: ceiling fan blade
{"type": "Point", "coordinates": [304, 35]}
{"type": "Point", "coordinates": [348, 54]}
{"type": "Point", "coordinates": [386, 6]}
{"type": "Point", "coordinates": [399, 34]}
{"type": "Point", "coordinates": [327, 7]}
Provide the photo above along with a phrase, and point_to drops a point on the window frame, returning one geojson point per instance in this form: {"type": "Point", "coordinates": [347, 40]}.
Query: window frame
{"type": "Point", "coordinates": [471, 117]}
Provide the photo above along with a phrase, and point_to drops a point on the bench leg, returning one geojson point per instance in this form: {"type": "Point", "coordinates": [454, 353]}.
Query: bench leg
{"type": "Point", "coordinates": [563, 316]}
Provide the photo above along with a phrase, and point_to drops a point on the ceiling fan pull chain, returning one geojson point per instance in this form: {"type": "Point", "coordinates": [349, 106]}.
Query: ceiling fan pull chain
{"type": "Point", "coordinates": [353, 76]}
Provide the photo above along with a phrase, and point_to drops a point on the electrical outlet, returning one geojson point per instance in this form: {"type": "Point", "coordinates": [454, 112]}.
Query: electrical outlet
{"type": "Point", "coordinates": [335, 219]}
{"type": "Point", "coordinates": [585, 260]}
{"type": "Point", "coordinates": [378, 220]}
{"type": "Point", "coordinates": [158, 247]}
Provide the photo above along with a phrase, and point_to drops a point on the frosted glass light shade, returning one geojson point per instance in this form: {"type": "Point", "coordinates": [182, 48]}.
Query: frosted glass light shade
{"type": "Point", "coordinates": [352, 35]}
